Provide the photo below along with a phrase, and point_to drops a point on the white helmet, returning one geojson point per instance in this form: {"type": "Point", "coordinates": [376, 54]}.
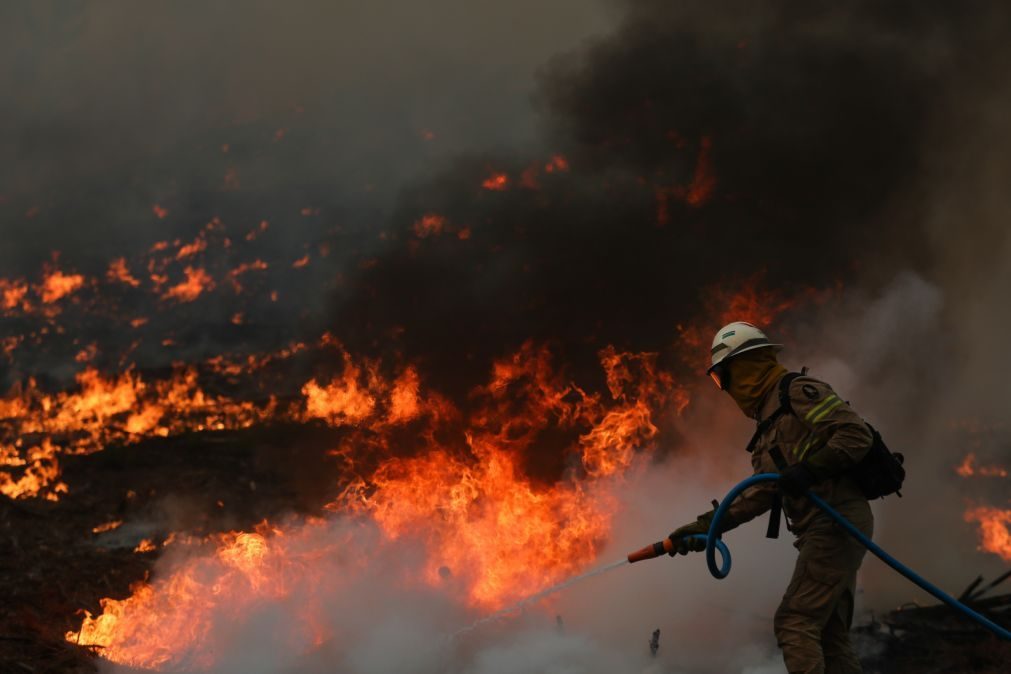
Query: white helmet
{"type": "Point", "coordinates": [736, 338]}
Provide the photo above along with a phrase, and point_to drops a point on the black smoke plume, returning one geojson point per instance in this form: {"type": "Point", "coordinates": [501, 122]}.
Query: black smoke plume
{"type": "Point", "coordinates": [724, 143]}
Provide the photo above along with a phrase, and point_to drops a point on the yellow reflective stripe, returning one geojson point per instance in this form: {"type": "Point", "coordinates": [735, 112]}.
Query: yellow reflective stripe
{"type": "Point", "coordinates": [828, 409]}
{"type": "Point", "coordinates": [798, 448]}
{"type": "Point", "coordinates": [809, 445]}
{"type": "Point", "coordinates": [821, 406]}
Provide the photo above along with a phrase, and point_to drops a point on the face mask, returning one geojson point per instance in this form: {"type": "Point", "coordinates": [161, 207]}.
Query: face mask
{"type": "Point", "coordinates": [749, 377]}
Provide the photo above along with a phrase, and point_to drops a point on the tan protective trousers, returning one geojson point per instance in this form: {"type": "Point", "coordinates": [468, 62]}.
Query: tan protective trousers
{"type": "Point", "coordinates": [813, 621]}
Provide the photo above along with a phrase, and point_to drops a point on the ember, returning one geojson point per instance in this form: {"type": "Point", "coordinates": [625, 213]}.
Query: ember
{"type": "Point", "coordinates": [497, 182]}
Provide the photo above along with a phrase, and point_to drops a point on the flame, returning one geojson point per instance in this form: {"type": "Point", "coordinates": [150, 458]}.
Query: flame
{"type": "Point", "coordinates": [12, 293]}
{"type": "Point", "coordinates": [464, 497]}
{"type": "Point", "coordinates": [108, 526]}
{"type": "Point", "coordinates": [254, 234]}
{"type": "Point", "coordinates": [198, 245]}
{"type": "Point", "coordinates": [160, 213]}
{"type": "Point", "coordinates": [87, 354]}
{"type": "Point", "coordinates": [994, 529]}
{"type": "Point", "coordinates": [405, 402]}
{"type": "Point", "coordinates": [104, 410]}
{"type": "Point", "coordinates": [9, 344]}
{"type": "Point", "coordinates": [118, 272]}
{"type": "Point", "coordinates": [56, 285]}
{"type": "Point", "coordinates": [968, 468]}
{"type": "Point", "coordinates": [197, 282]}
{"type": "Point", "coordinates": [348, 399]}
{"type": "Point", "coordinates": [698, 192]}
{"type": "Point", "coordinates": [244, 268]}
{"type": "Point", "coordinates": [430, 224]}
{"type": "Point", "coordinates": [557, 164]}
{"type": "Point", "coordinates": [171, 622]}
{"type": "Point", "coordinates": [703, 184]}
{"type": "Point", "coordinates": [146, 545]}
{"type": "Point", "coordinates": [485, 523]}
{"type": "Point", "coordinates": [40, 475]}
{"type": "Point", "coordinates": [748, 300]}
{"type": "Point", "coordinates": [496, 182]}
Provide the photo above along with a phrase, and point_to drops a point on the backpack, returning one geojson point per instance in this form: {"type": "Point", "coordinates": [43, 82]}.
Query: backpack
{"type": "Point", "coordinates": [878, 474]}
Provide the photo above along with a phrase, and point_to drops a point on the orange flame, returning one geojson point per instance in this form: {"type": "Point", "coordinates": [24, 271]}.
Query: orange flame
{"type": "Point", "coordinates": [496, 182]}
{"type": "Point", "coordinates": [469, 503]}
{"type": "Point", "coordinates": [118, 272]}
{"type": "Point", "coordinates": [994, 529]}
{"type": "Point", "coordinates": [102, 411]}
{"type": "Point", "coordinates": [40, 475]}
{"type": "Point", "coordinates": [12, 293]}
{"type": "Point", "coordinates": [171, 622]}
{"type": "Point", "coordinates": [197, 282]}
{"type": "Point", "coordinates": [56, 285]}
{"type": "Point", "coordinates": [244, 268]}
{"type": "Point", "coordinates": [348, 399]}
{"type": "Point", "coordinates": [557, 164]}
{"type": "Point", "coordinates": [430, 224]}
{"type": "Point", "coordinates": [146, 545]}
{"type": "Point", "coordinates": [198, 245]}
{"type": "Point", "coordinates": [107, 526]}
{"type": "Point", "coordinates": [748, 300]}
{"type": "Point", "coordinates": [968, 468]}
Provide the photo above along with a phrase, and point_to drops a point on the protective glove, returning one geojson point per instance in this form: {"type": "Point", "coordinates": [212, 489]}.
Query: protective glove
{"type": "Point", "coordinates": [797, 479]}
{"type": "Point", "coordinates": [689, 544]}
{"type": "Point", "coordinates": [683, 544]}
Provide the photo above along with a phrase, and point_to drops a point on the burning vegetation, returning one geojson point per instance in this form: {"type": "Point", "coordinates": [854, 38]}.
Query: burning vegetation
{"type": "Point", "coordinates": [277, 386]}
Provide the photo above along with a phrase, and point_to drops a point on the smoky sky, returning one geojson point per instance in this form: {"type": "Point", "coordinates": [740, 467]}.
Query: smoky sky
{"type": "Point", "coordinates": [817, 120]}
{"type": "Point", "coordinates": [802, 144]}
{"type": "Point", "coordinates": [110, 107]}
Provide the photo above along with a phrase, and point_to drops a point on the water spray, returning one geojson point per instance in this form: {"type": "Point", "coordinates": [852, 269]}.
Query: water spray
{"type": "Point", "coordinates": [540, 595]}
{"type": "Point", "coordinates": [664, 547]}
{"type": "Point", "coordinates": [714, 543]}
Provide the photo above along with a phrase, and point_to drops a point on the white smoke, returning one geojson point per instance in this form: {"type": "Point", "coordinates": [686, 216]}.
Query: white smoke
{"type": "Point", "coordinates": [895, 356]}
{"type": "Point", "coordinates": [381, 618]}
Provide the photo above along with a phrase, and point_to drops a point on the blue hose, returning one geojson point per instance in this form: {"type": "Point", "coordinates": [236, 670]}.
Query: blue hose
{"type": "Point", "coordinates": [713, 542]}
{"type": "Point", "coordinates": [724, 555]}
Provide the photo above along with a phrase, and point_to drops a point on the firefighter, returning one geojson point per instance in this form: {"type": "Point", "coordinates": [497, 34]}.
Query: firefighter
{"type": "Point", "coordinates": [812, 438]}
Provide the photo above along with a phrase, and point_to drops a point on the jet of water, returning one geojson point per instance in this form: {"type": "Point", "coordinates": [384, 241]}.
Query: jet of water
{"type": "Point", "coordinates": [534, 598]}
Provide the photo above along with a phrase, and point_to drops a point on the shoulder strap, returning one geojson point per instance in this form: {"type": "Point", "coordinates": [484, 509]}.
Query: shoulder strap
{"type": "Point", "coordinates": [784, 408]}
{"type": "Point", "coordinates": [776, 511]}
{"type": "Point", "coordinates": [784, 391]}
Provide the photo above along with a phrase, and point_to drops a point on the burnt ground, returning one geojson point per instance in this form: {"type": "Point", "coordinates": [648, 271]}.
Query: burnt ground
{"type": "Point", "coordinates": [936, 639]}
{"type": "Point", "coordinates": [52, 565]}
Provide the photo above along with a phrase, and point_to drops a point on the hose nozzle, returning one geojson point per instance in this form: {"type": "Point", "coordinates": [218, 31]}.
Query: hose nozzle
{"type": "Point", "coordinates": [663, 547]}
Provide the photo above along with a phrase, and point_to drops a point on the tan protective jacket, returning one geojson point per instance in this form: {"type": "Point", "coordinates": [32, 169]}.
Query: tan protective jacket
{"type": "Point", "coordinates": [825, 431]}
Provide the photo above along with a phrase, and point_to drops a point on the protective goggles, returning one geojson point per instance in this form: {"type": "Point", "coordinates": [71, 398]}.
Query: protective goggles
{"type": "Point", "coordinates": [720, 374]}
